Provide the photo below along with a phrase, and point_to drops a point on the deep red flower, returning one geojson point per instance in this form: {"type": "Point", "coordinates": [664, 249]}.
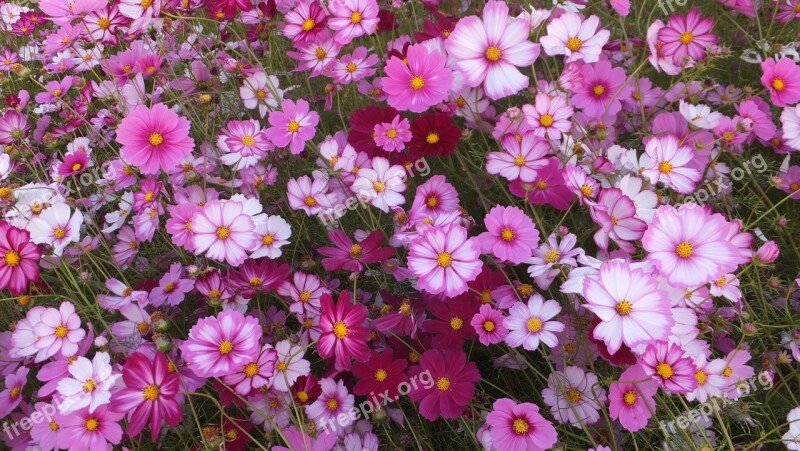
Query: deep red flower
{"type": "Point", "coordinates": [353, 256]}
{"type": "Point", "coordinates": [258, 276]}
{"type": "Point", "coordinates": [434, 135]}
{"type": "Point", "coordinates": [306, 390]}
{"type": "Point", "coordinates": [452, 325]}
{"type": "Point", "coordinates": [380, 374]}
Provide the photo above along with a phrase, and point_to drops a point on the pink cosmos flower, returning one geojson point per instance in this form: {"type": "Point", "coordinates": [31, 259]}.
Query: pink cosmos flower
{"type": "Point", "coordinates": [355, 67]}
{"type": "Point", "coordinates": [154, 138]}
{"type": "Point", "coordinates": [275, 233]}
{"type": "Point", "coordinates": [352, 18]}
{"type": "Point", "coordinates": [142, 13]}
{"type": "Point", "coordinates": [511, 235]}
{"type": "Point", "coordinates": [487, 50]}
{"type": "Point", "coordinates": [334, 401]}
{"type": "Point", "coordinates": [219, 345]}
{"type": "Point", "coordinates": [631, 308]}
{"type": "Point", "coordinates": [735, 372]}
{"type": "Point", "coordinates": [13, 126]}
{"type": "Point", "coordinates": [172, 288]}
{"type": "Point", "coordinates": [670, 163]}
{"type": "Point", "coordinates": [454, 379]}
{"type": "Point", "coordinates": [316, 56]}
{"type": "Point", "coordinates": [790, 181]}
{"type": "Point", "coordinates": [354, 257]}
{"type": "Point", "coordinates": [224, 232]}
{"type": "Point", "coordinates": [290, 366]}
{"type": "Point", "coordinates": [687, 35]}
{"type": "Point", "coordinates": [300, 440]}
{"type": "Point", "coordinates": [419, 82]}
{"type": "Point", "coordinates": [601, 90]}
{"type": "Point", "coordinates": [123, 295]}
{"type": "Point", "coordinates": [59, 331]}
{"type": "Point", "coordinates": [688, 245]}
{"type": "Point", "coordinates": [519, 427]}
{"type": "Point", "coordinates": [20, 263]}
{"type": "Point", "coordinates": [381, 184]}
{"type": "Point", "coordinates": [574, 396]}
{"type": "Point", "coordinates": [489, 325]}
{"type": "Point", "coordinates": [549, 116]}
{"type": "Point", "coordinates": [88, 384]}
{"type": "Point", "coordinates": [307, 195]}
{"type": "Point", "coordinates": [616, 214]}
{"type": "Point", "coordinates": [782, 80]}
{"type": "Point", "coordinates": [575, 38]}
{"type": "Point", "coordinates": [94, 431]}
{"type": "Point", "coordinates": [57, 226]}
{"type": "Point", "coordinates": [11, 396]}
{"type": "Point", "coordinates": [530, 324]}
{"type": "Point", "coordinates": [434, 198]}
{"type": "Point", "coordinates": [521, 159]}
{"type": "Point", "coordinates": [244, 144]}
{"type": "Point", "coordinates": [305, 22]}
{"type": "Point", "coordinates": [255, 374]}
{"type": "Point", "coordinates": [551, 253]}
{"type": "Point", "coordinates": [343, 332]}
{"type": "Point", "coordinates": [632, 398]}
{"type": "Point", "coordinates": [444, 260]}
{"type": "Point", "coordinates": [149, 394]}
{"type": "Point", "coordinates": [259, 91]}
{"type": "Point", "coordinates": [293, 125]}
{"type": "Point", "coordinates": [668, 364]}
{"type": "Point", "coordinates": [790, 124]}
{"type": "Point", "coordinates": [393, 136]}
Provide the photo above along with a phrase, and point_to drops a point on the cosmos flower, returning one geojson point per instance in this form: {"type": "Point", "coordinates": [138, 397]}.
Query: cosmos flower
{"type": "Point", "coordinates": [520, 427]}
{"type": "Point", "coordinates": [668, 364]}
{"type": "Point", "coordinates": [511, 234]}
{"type": "Point", "coordinates": [444, 260]}
{"type": "Point", "coordinates": [154, 139]}
{"type": "Point", "coordinates": [352, 18]}
{"type": "Point", "coordinates": [632, 398]}
{"type": "Point", "coordinates": [574, 396]}
{"type": "Point", "coordinates": [224, 232]}
{"type": "Point", "coordinates": [219, 345]}
{"type": "Point", "coordinates": [20, 263]}
{"type": "Point", "coordinates": [419, 82]}
{"type": "Point", "coordinates": [453, 379]}
{"type": "Point", "coordinates": [575, 38]}
{"type": "Point", "coordinates": [88, 384]}
{"type": "Point", "coordinates": [687, 36]}
{"type": "Point", "coordinates": [530, 324]}
{"type": "Point", "coordinates": [293, 125]}
{"type": "Point", "coordinates": [353, 257]}
{"type": "Point", "coordinates": [344, 335]}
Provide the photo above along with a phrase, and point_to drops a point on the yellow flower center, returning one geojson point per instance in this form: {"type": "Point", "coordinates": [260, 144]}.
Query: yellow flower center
{"type": "Point", "coordinates": [261, 94]}
{"type": "Point", "coordinates": [587, 190]}
{"type": "Point", "coordinates": [356, 251]}
{"type": "Point", "coordinates": [308, 24]}
{"type": "Point", "coordinates": [310, 201]}
{"type": "Point", "coordinates": [156, 139]}
{"type": "Point", "coordinates": [320, 53]}
{"type": "Point", "coordinates": [488, 326]}
{"type": "Point", "coordinates": [77, 167]}
{"type": "Point", "coordinates": [381, 375]}
{"type": "Point", "coordinates": [665, 167]}
{"type": "Point", "coordinates": [546, 120]}
{"type": "Point", "coordinates": [151, 392]}
{"type": "Point", "coordinates": [143, 328]}
{"type": "Point", "coordinates": [226, 347]}
{"type": "Point", "coordinates": [54, 426]}
{"type": "Point", "coordinates": [379, 187]}
{"type": "Point", "coordinates": [268, 239]}
{"type": "Point", "coordinates": [146, 3]}
{"type": "Point", "coordinates": [391, 133]}
{"type": "Point", "coordinates": [89, 386]}
{"type": "Point", "coordinates": [293, 126]}
{"type": "Point", "coordinates": [281, 366]}
{"type": "Point", "coordinates": [630, 398]}
{"type": "Point", "coordinates": [687, 38]}
{"type": "Point", "coordinates": [493, 54]}
{"type": "Point", "coordinates": [355, 17]}
{"type": "Point", "coordinates": [541, 185]}
{"type": "Point", "coordinates": [520, 426]}
{"type": "Point", "coordinates": [701, 377]}
{"type": "Point", "coordinates": [223, 233]}
{"type": "Point", "coordinates": [444, 259]}
{"type": "Point", "coordinates": [664, 370]}
{"type": "Point", "coordinates": [417, 82]}
{"type": "Point", "coordinates": [333, 404]}
{"type": "Point", "coordinates": [61, 331]}
{"type": "Point", "coordinates": [14, 392]}
{"type": "Point", "coordinates": [302, 396]}
{"type": "Point", "coordinates": [778, 84]}
{"type": "Point", "coordinates": [727, 372]}
{"type": "Point", "coordinates": [574, 44]}
{"type": "Point", "coordinates": [305, 296]}
{"type": "Point", "coordinates": [351, 67]}
{"type": "Point", "coordinates": [684, 250]}
{"type": "Point", "coordinates": [59, 232]}
{"type": "Point", "coordinates": [251, 369]}
{"type": "Point", "coordinates": [443, 384]}
{"type": "Point", "coordinates": [104, 23]}
{"type": "Point", "coordinates": [456, 323]}
{"type": "Point", "coordinates": [552, 256]}
{"type": "Point", "coordinates": [432, 138]}
{"type": "Point", "coordinates": [92, 424]}
{"type": "Point", "coordinates": [574, 396]}
{"type": "Point", "coordinates": [599, 90]}
{"type": "Point", "coordinates": [256, 282]}
{"type": "Point", "coordinates": [507, 235]}
{"type": "Point", "coordinates": [534, 325]}
{"type": "Point", "coordinates": [432, 202]}
{"type": "Point", "coordinates": [340, 330]}
{"type": "Point", "coordinates": [624, 307]}
{"type": "Point", "coordinates": [405, 308]}
{"type": "Point", "coordinates": [248, 140]}
{"type": "Point", "coordinates": [794, 186]}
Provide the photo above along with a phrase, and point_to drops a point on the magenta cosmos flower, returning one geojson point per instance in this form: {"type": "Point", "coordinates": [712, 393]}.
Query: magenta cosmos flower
{"type": "Point", "coordinates": [419, 82]}
{"type": "Point", "coordinates": [631, 398]}
{"type": "Point", "coordinates": [344, 334]}
{"type": "Point", "coordinates": [149, 393]}
{"type": "Point", "coordinates": [689, 245]}
{"type": "Point", "coordinates": [519, 427]}
{"type": "Point", "coordinates": [444, 260]}
{"type": "Point", "coordinates": [94, 431]}
{"type": "Point", "coordinates": [154, 138]}
{"type": "Point", "coordinates": [601, 89]}
{"type": "Point", "coordinates": [631, 308]}
{"type": "Point", "coordinates": [221, 345]}
{"type": "Point", "coordinates": [668, 364]}
{"type": "Point", "coordinates": [224, 232]}
{"type": "Point", "coordinates": [549, 116]}
{"type": "Point", "coordinates": [687, 36]}
{"type": "Point", "coordinates": [20, 263]}
{"type": "Point", "coordinates": [453, 380]}
{"type": "Point", "coordinates": [511, 235]}
{"type": "Point", "coordinates": [353, 257]}
{"type": "Point", "coordinates": [782, 80]}
{"type": "Point", "coordinates": [487, 50]}
{"type": "Point", "coordinates": [292, 126]}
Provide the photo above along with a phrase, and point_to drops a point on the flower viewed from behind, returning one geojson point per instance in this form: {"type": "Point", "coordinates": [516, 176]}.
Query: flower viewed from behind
{"type": "Point", "coordinates": [219, 345]}
{"type": "Point", "coordinates": [149, 393]}
{"type": "Point", "coordinates": [154, 139]}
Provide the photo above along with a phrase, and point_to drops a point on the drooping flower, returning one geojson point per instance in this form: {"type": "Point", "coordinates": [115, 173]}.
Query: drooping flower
{"type": "Point", "coordinates": [575, 38]}
{"type": "Point", "coordinates": [149, 394]}
{"type": "Point", "coordinates": [454, 378]}
{"type": "Point", "coordinates": [444, 260]}
{"type": "Point", "coordinates": [224, 232]}
{"type": "Point", "coordinates": [419, 82]}
{"type": "Point", "coordinates": [530, 324]}
{"type": "Point", "coordinates": [487, 51]}
{"type": "Point", "coordinates": [219, 345]}
{"type": "Point", "coordinates": [631, 307]}
{"type": "Point", "coordinates": [519, 427]}
{"type": "Point", "coordinates": [154, 139]}
{"type": "Point", "coordinates": [632, 398]}
{"type": "Point", "coordinates": [344, 335]}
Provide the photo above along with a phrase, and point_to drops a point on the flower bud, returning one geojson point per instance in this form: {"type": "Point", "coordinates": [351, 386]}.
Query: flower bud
{"type": "Point", "coordinates": [767, 253]}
